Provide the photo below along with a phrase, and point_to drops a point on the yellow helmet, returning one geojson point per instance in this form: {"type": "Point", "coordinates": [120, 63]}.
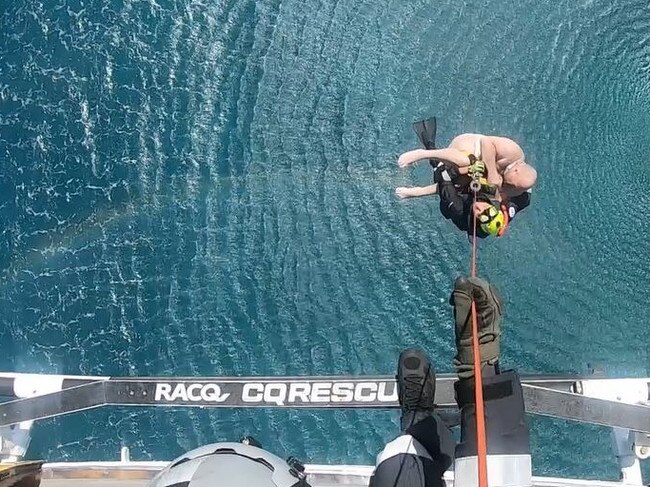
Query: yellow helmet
{"type": "Point", "coordinates": [492, 221]}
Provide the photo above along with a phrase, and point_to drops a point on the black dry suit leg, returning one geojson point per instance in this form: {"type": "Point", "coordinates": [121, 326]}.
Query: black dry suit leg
{"type": "Point", "coordinates": [424, 451]}
{"type": "Point", "coordinates": [417, 458]}
{"type": "Point", "coordinates": [508, 442]}
{"type": "Point", "coordinates": [426, 132]}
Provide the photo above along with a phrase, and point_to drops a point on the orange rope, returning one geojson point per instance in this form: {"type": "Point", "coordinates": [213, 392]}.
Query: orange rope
{"type": "Point", "coordinates": [481, 437]}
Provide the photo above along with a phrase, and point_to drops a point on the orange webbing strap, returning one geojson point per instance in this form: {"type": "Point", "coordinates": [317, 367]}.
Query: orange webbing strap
{"type": "Point", "coordinates": [481, 438]}
{"type": "Point", "coordinates": [506, 216]}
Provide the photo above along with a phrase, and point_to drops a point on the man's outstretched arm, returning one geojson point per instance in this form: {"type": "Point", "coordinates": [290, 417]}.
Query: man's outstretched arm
{"type": "Point", "coordinates": [489, 157]}
{"type": "Point", "coordinates": [409, 192]}
{"type": "Point", "coordinates": [412, 191]}
{"type": "Point", "coordinates": [447, 155]}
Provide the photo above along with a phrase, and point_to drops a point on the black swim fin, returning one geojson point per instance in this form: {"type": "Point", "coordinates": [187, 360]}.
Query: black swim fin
{"type": "Point", "coordinates": [426, 132]}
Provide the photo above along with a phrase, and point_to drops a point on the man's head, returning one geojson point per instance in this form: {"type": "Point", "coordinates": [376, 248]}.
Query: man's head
{"type": "Point", "coordinates": [520, 175]}
{"type": "Point", "coordinates": [491, 219]}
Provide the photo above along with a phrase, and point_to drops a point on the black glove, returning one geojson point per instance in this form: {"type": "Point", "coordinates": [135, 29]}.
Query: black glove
{"type": "Point", "coordinates": [446, 172]}
{"type": "Point", "coordinates": [489, 315]}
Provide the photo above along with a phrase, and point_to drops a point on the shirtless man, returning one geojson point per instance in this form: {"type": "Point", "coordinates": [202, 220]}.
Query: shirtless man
{"type": "Point", "coordinates": [512, 176]}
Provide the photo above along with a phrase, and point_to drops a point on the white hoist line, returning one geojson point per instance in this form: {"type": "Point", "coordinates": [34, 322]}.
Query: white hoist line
{"type": "Point", "coordinates": [477, 148]}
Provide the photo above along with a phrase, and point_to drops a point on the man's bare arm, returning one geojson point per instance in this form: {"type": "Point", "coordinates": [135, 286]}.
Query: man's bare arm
{"type": "Point", "coordinates": [449, 155]}
{"type": "Point", "coordinates": [404, 192]}
{"type": "Point", "coordinates": [489, 156]}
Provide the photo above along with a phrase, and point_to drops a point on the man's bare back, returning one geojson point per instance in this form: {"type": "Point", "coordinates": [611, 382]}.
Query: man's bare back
{"type": "Point", "coordinates": [507, 151]}
{"type": "Point", "coordinates": [509, 170]}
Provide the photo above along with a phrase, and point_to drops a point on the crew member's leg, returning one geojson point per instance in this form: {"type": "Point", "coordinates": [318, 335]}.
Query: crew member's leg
{"type": "Point", "coordinates": [508, 444]}
{"type": "Point", "coordinates": [421, 455]}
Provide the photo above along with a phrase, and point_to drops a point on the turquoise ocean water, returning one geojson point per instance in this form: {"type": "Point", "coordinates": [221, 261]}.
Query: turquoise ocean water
{"type": "Point", "coordinates": [206, 187]}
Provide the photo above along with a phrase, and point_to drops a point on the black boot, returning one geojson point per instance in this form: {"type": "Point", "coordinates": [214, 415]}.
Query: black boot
{"type": "Point", "coordinates": [416, 386]}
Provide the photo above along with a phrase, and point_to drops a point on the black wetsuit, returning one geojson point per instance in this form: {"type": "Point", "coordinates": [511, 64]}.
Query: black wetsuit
{"type": "Point", "coordinates": [456, 202]}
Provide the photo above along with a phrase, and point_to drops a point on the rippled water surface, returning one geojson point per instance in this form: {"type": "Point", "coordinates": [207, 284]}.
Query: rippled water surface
{"type": "Point", "coordinates": [193, 187]}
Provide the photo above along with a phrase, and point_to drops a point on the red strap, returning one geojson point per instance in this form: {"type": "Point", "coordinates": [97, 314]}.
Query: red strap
{"type": "Point", "coordinates": [506, 220]}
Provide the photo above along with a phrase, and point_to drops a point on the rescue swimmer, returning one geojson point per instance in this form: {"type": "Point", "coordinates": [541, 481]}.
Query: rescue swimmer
{"type": "Point", "coordinates": [478, 176]}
